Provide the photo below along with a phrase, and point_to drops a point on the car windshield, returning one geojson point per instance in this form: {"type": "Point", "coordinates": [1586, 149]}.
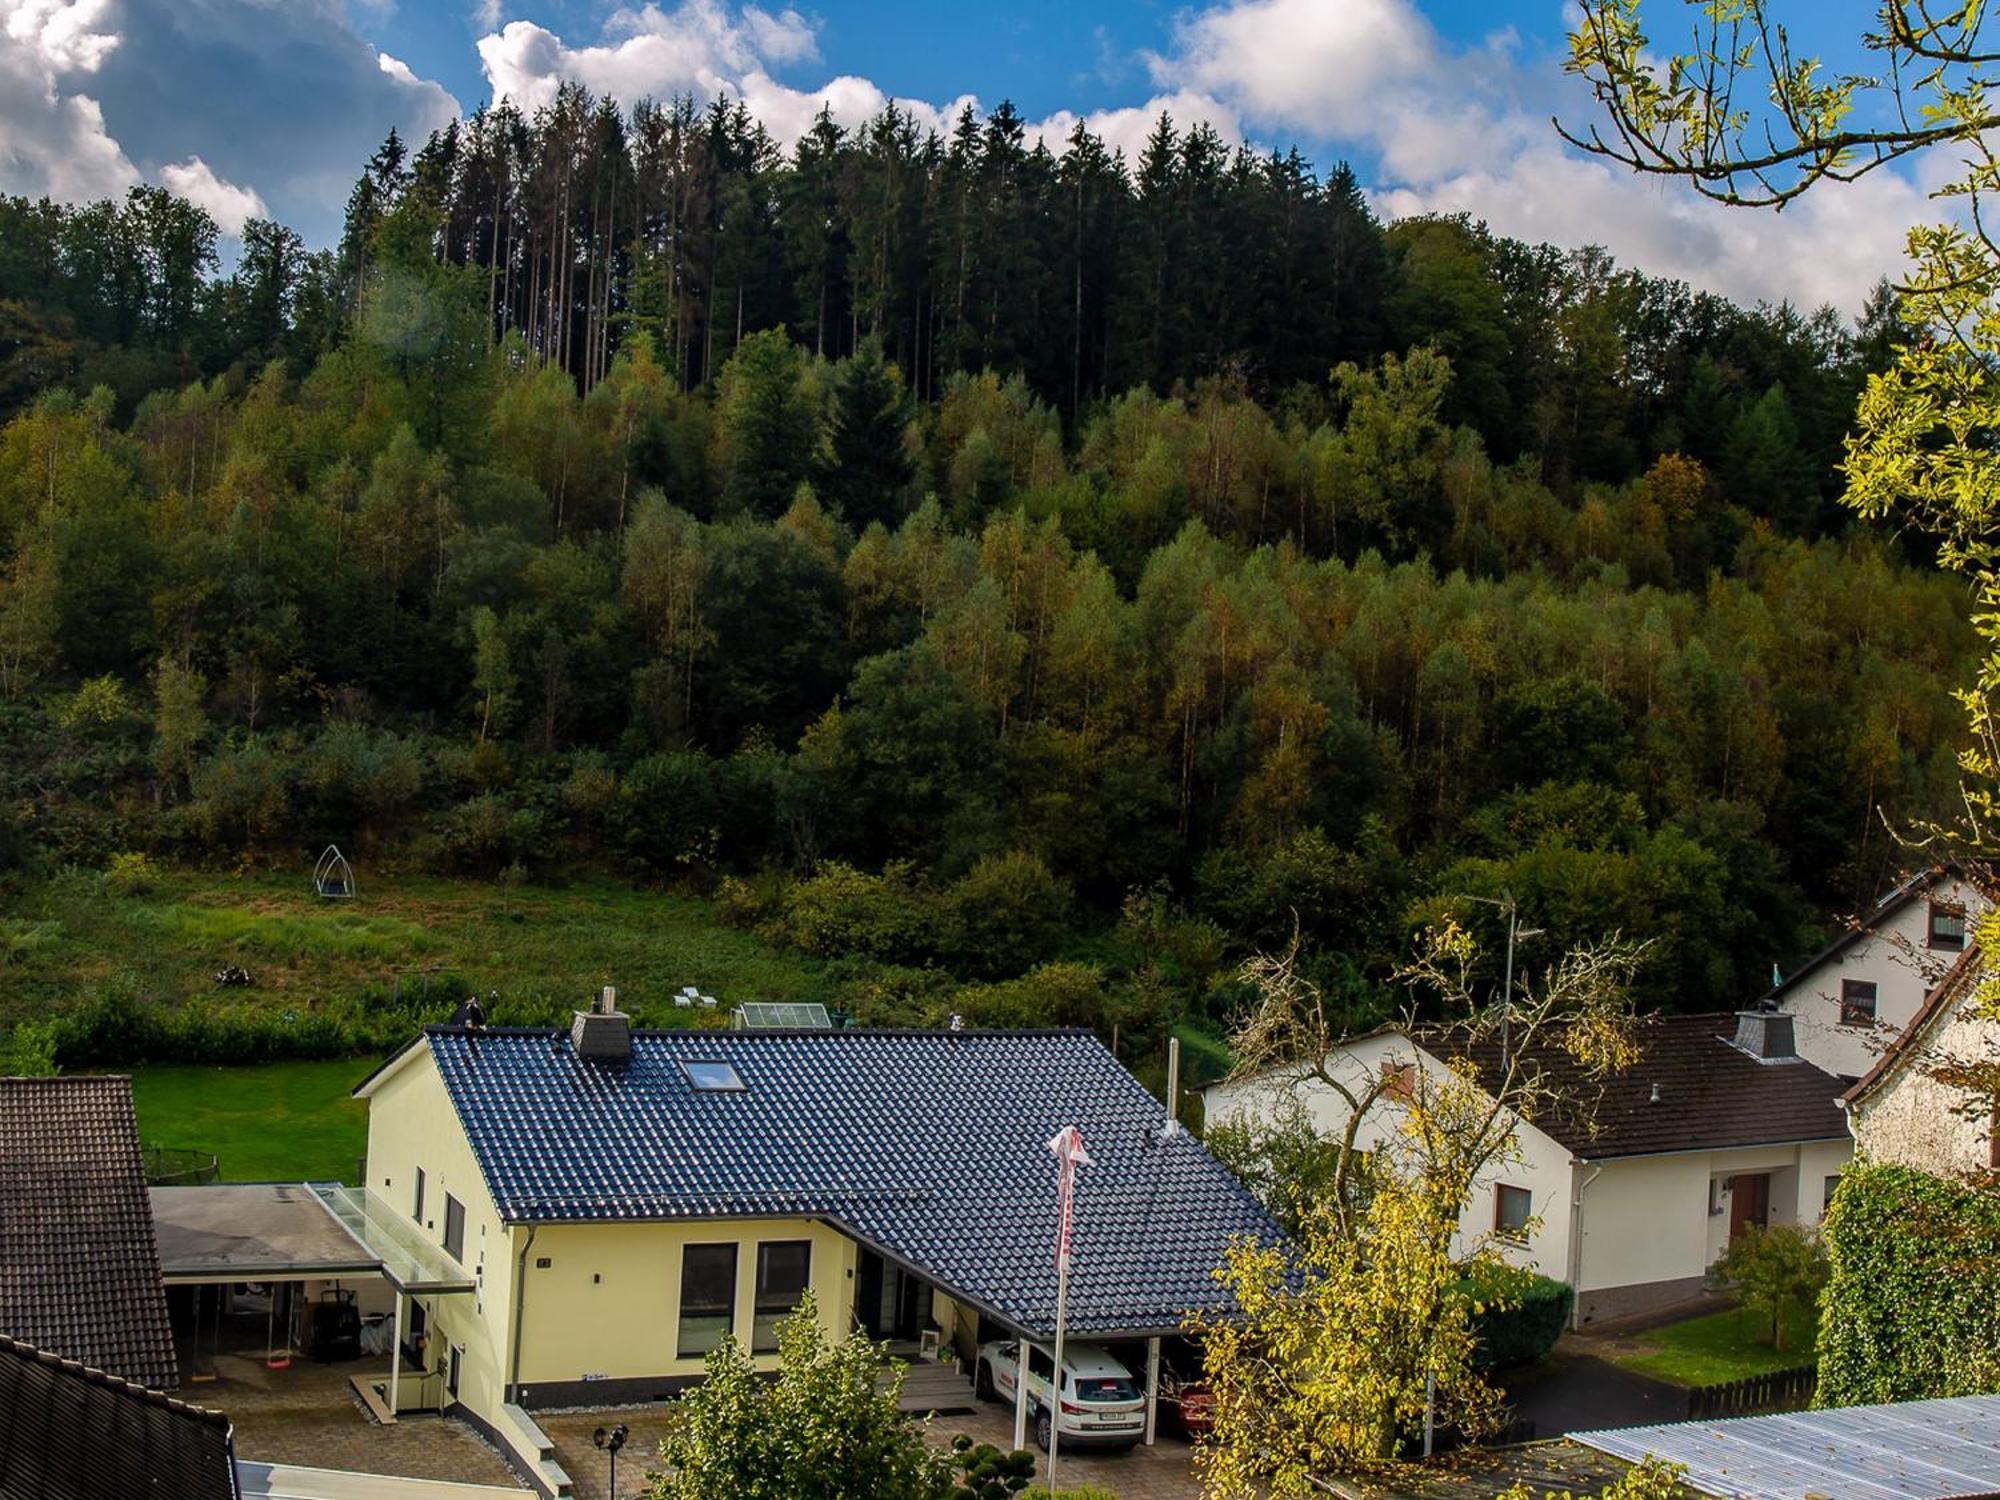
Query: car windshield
{"type": "Point", "coordinates": [1102, 1388]}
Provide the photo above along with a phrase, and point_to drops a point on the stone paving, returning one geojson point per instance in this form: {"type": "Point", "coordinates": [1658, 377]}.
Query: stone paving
{"type": "Point", "coordinates": [308, 1415]}
{"type": "Point", "coordinates": [1164, 1472]}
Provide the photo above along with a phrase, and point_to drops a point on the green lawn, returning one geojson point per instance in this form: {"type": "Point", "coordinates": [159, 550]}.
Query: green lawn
{"type": "Point", "coordinates": [286, 1122]}
{"type": "Point", "coordinates": [1722, 1346]}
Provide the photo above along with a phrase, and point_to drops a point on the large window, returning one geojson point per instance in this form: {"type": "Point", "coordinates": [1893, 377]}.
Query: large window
{"type": "Point", "coordinates": [1948, 926]}
{"type": "Point", "coordinates": [1511, 1209]}
{"type": "Point", "coordinates": [783, 1269]}
{"type": "Point", "coordinates": [1857, 1002]}
{"type": "Point", "coordinates": [454, 1228]}
{"type": "Point", "coordinates": [708, 1298]}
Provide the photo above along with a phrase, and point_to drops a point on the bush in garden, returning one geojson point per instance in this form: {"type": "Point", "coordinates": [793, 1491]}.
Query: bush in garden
{"type": "Point", "coordinates": [1773, 1268]}
{"type": "Point", "coordinates": [1518, 1314]}
{"type": "Point", "coordinates": [842, 910]}
{"type": "Point", "coordinates": [1010, 912]}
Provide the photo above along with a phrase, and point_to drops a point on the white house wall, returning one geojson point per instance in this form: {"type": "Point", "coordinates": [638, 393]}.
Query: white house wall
{"type": "Point", "coordinates": [1912, 1119]}
{"type": "Point", "coordinates": [1897, 956]}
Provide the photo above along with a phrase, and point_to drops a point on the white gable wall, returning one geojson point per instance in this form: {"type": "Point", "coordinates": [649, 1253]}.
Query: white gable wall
{"type": "Point", "coordinates": [1897, 956]}
{"type": "Point", "coordinates": [1912, 1119]}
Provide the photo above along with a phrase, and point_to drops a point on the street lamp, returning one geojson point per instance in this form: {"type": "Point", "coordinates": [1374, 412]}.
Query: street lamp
{"type": "Point", "coordinates": [611, 1442]}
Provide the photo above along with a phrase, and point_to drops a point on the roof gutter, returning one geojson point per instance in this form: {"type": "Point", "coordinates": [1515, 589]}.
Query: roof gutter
{"type": "Point", "coordinates": [1810, 1140]}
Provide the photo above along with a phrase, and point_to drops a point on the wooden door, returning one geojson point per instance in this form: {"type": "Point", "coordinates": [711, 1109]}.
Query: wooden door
{"type": "Point", "coordinates": [1749, 1201]}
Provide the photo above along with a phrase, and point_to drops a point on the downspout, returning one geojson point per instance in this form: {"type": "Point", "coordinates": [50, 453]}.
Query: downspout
{"type": "Point", "coordinates": [1575, 1246]}
{"type": "Point", "coordinates": [520, 1299]}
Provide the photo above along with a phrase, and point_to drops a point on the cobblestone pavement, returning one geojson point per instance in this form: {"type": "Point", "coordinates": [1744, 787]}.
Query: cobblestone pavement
{"type": "Point", "coordinates": [1165, 1472]}
{"type": "Point", "coordinates": [307, 1415]}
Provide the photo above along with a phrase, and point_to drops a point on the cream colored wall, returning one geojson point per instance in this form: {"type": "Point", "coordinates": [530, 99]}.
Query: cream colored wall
{"type": "Point", "coordinates": [1537, 1162]}
{"type": "Point", "coordinates": [1897, 956]}
{"type": "Point", "coordinates": [1646, 1218]}
{"type": "Point", "coordinates": [1914, 1120]}
{"type": "Point", "coordinates": [608, 1303]}
{"type": "Point", "coordinates": [412, 1123]}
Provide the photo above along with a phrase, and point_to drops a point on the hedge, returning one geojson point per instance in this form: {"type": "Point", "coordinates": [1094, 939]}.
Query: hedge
{"type": "Point", "coordinates": [1524, 1315]}
{"type": "Point", "coordinates": [1912, 1307]}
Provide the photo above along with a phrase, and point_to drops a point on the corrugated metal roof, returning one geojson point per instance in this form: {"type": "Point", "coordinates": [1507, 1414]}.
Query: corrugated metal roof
{"type": "Point", "coordinates": [929, 1146]}
{"type": "Point", "coordinates": [1911, 1450]}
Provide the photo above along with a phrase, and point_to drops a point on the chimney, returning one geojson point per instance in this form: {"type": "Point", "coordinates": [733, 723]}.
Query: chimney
{"type": "Point", "coordinates": [604, 1032]}
{"type": "Point", "coordinates": [1766, 1035]}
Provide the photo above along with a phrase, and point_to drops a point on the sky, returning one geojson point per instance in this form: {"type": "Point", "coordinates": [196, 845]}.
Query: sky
{"type": "Point", "coordinates": [269, 107]}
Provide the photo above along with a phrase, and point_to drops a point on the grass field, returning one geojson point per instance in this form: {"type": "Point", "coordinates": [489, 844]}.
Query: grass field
{"type": "Point", "coordinates": [524, 941]}
{"type": "Point", "coordinates": [1722, 1346]}
{"type": "Point", "coordinates": [285, 1122]}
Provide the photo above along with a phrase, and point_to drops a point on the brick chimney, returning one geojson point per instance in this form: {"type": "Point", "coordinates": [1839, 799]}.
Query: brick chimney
{"type": "Point", "coordinates": [604, 1032]}
{"type": "Point", "coordinates": [1766, 1035]}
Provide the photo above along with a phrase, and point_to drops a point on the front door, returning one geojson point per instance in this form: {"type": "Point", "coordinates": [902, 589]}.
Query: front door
{"type": "Point", "coordinates": [1749, 1201]}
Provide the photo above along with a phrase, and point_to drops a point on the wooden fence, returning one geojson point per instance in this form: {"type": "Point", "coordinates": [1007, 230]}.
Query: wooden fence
{"type": "Point", "coordinates": [1778, 1390]}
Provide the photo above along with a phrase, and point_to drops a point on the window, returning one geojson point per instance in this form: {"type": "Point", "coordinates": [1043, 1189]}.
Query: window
{"type": "Point", "coordinates": [708, 1298]}
{"type": "Point", "coordinates": [454, 1228]}
{"type": "Point", "coordinates": [1039, 1362]}
{"type": "Point", "coordinates": [783, 1268]}
{"type": "Point", "coordinates": [1857, 1002]}
{"type": "Point", "coordinates": [712, 1077]}
{"type": "Point", "coordinates": [1511, 1212]}
{"type": "Point", "coordinates": [1826, 1194]}
{"type": "Point", "coordinates": [1399, 1079]}
{"type": "Point", "coordinates": [417, 1208]}
{"type": "Point", "coordinates": [1948, 926]}
{"type": "Point", "coordinates": [1718, 1190]}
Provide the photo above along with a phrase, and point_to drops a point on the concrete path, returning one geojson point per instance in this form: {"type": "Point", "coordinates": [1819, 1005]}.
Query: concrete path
{"type": "Point", "coordinates": [1579, 1392]}
{"type": "Point", "coordinates": [292, 1482]}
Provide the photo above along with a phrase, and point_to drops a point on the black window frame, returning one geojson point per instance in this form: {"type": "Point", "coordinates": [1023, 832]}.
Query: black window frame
{"type": "Point", "coordinates": [417, 1212]}
{"type": "Point", "coordinates": [699, 1347]}
{"type": "Point", "coordinates": [1851, 1011]}
{"type": "Point", "coordinates": [1951, 912]}
{"type": "Point", "coordinates": [1514, 1233]}
{"type": "Point", "coordinates": [454, 1228]}
{"type": "Point", "coordinates": [769, 1307]}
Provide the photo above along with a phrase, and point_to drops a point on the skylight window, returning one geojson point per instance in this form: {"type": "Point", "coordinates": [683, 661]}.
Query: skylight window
{"type": "Point", "coordinates": [713, 1077]}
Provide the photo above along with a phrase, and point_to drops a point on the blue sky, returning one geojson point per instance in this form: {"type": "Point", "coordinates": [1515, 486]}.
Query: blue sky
{"type": "Point", "coordinates": [270, 106]}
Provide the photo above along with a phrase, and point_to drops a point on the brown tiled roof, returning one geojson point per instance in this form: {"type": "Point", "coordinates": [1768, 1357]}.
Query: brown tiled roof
{"type": "Point", "coordinates": [1712, 1094]}
{"type": "Point", "coordinates": [1957, 986]}
{"type": "Point", "coordinates": [79, 1269]}
{"type": "Point", "coordinates": [74, 1433]}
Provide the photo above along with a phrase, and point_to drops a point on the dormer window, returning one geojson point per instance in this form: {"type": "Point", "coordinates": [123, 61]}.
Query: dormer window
{"type": "Point", "coordinates": [1948, 926]}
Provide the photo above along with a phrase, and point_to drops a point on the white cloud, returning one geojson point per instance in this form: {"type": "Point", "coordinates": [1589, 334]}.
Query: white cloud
{"type": "Point", "coordinates": [1126, 129]}
{"type": "Point", "coordinates": [229, 205]}
{"type": "Point", "coordinates": [52, 135]}
{"type": "Point", "coordinates": [486, 14]}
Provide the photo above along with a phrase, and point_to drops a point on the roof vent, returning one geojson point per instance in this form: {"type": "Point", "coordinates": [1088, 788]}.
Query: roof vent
{"type": "Point", "coordinates": [604, 1032]}
{"type": "Point", "coordinates": [1654, 1097]}
{"type": "Point", "coordinates": [1766, 1035]}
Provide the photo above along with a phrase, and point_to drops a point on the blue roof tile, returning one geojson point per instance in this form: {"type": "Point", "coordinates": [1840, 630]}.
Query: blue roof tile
{"type": "Point", "coordinates": [929, 1146]}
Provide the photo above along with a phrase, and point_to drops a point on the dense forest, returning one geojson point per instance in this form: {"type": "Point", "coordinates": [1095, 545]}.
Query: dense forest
{"type": "Point", "coordinates": [966, 559]}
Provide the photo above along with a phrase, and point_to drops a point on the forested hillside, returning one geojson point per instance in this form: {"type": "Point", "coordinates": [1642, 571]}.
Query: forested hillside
{"type": "Point", "coordinates": [970, 561]}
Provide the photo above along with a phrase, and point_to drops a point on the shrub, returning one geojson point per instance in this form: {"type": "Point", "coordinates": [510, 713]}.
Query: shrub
{"type": "Point", "coordinates": [669, 811]}
{"type": "Point", "coordinates": [1053, 995]}
{"type": "Point", "coordinates": [1773, 1268]}
{"type": "Point", "coordinates": [1010, 911]}
{"type": "Point", "coordinates": [131, 875]}
{"type": "Point", "coordinates": [842, 910]}
{"type": "Point", "coordinates": [1912, 1302]}
{"type": "Point", "coordinates": [1521, 1314]}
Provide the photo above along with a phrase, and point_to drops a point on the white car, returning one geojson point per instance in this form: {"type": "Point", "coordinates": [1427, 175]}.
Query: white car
{"type": "Point", "coordinates": [1100, 1405]}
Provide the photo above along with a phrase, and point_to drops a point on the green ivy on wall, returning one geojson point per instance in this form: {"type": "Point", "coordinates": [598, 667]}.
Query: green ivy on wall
{"type": "Point", "coordinates": [1912, 1309]}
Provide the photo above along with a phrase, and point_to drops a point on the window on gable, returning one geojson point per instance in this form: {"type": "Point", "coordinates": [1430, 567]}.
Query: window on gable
{"type": "Point", "coordinates": [783, 1269]}
{"type": "Point", "coordinates": [708, 1299]}
{"type": "Point", "coordinates": [1512, 1208]}
{"type": "Point", "coordinates": [1399, 1079]}
{"type": "Point", "coordinates": [1948, 926]}
{"type": "Point", "coordinates": [1857, 1002]}
{"type": "Point", "coordinates": [454, 1228]}
{"type": "Point", "coordinates": [713, 1077]}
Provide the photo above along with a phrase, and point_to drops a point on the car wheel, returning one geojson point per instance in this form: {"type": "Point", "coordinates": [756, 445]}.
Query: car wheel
{"type": "Point", "coordinates": [1044, 1431]}
{"type": "Point", "coordinates": [982, 1382]}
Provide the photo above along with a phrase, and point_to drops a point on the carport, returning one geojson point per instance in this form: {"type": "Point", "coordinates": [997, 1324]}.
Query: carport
{"type": "Point", "coordinates": [285, 1237]}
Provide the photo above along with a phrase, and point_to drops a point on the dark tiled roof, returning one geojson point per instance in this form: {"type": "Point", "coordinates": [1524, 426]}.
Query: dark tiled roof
{"type": "Point", "coordinates": [929, 1146]}
{"type": "Point", "coordinates": [1959, 984]}
{"type": "Point", "coordinates": [1712, 1094]}
{"type": "Point", "coordinates": [79, 1269]}
{"type": "Point", "coordinates": [74, 1433]}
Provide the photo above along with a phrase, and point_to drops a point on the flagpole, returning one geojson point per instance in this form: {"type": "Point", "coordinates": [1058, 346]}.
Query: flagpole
{"type": "Point", "coordinates": [1067, 1146]}
{"type": "Point", "coordinates": [1055, 1394]}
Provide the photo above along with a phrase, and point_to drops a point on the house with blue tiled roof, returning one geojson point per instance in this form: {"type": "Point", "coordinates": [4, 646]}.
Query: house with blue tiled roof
{"type": "Point", "coordinates": [623, 1200]}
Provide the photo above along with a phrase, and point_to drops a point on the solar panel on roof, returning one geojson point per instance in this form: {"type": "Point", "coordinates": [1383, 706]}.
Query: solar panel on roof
{"type": "Point", "coordinates": [769, 1015]}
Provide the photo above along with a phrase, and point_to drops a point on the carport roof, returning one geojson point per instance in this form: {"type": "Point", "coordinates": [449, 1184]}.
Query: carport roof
{"type": "Point", "coordinates": [266, 1231]}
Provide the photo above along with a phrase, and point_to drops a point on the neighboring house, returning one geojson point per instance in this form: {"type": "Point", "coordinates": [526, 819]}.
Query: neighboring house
{"type": "Point", "coordinates": [1903, 1111]}
{"type": "Point", "coordinates": [69, 1432]}
{"type": "Point", "coordinates": [623, 1200]}
{"type": "Point", "coordinates": [1851, 998]}
{"type": "Point", "coordinates": [1631, 1192]}
{"type": "Point", "coordinates": [79, 1267]}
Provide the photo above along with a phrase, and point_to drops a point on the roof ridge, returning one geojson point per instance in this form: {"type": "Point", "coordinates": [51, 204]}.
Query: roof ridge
{"type": "Point", "coordinates": [551, 1032]}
